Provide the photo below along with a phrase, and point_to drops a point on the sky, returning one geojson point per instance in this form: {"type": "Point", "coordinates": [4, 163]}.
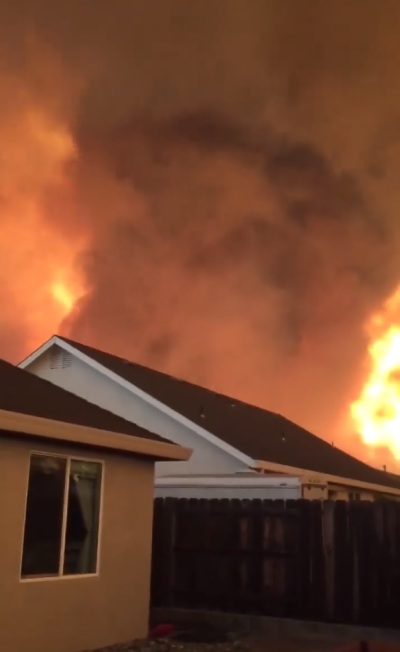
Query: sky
{"type": "Point", "coordinates": [209, 188]}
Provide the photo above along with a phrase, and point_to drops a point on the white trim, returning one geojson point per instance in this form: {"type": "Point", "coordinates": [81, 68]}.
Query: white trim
{"type": "Point", "coordinates": [58, 578]}
{"type": "Point", "coordinates": [100, 522]}
{"type": "Point", "coordinates": [37, 353]}
{"type": "Point", "coordinates": [61, 575]}
{"type": "Point", "coordinates": [260, 481]}
{"type": "Point", "coordinates": [144, 396]}
{"type": "Point", "coordinates": [64, 517]}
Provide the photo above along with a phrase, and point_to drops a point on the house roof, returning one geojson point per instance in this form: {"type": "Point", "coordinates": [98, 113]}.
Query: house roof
{"type": "Point", "coordinates": [24, 393]}
{"type": "Point", "coordinates": [258, 433]}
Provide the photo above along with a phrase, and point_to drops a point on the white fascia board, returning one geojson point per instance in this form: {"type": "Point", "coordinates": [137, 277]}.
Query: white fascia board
{"type": "Point", "coordinates": [37, 353]}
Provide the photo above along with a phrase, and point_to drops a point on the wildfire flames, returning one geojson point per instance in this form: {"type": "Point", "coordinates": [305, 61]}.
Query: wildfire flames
{"type": "Point", "coordinates": [39, 284]}
{"type": "Point", "coordinates": [376, 412]}
{"type": "Point", "coordinates": [40, 261]}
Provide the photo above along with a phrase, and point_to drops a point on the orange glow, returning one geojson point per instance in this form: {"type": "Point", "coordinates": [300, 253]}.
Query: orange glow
{"type": "Point", "coordinates": [64, 296]}
{"type": "Point", "coordinates": [376, 412]}
{"type": "Point", "coordinates": [39, 282]}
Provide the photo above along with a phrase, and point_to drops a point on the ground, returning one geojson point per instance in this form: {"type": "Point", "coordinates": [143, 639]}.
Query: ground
{"type": "Point", "coordinates": [232, 644]}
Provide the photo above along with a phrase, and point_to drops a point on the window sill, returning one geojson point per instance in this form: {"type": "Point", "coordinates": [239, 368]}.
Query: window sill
{"type": "Point", "coordinates": [54, 578]}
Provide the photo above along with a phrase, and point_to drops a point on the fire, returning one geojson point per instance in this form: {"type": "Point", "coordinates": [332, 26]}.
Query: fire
{"type": "Point", "coordinates": [376, 412]}
{"type": "Point", "coordinates": [64, 296]}
{"type": "Point", "coordinates": [39, 280]}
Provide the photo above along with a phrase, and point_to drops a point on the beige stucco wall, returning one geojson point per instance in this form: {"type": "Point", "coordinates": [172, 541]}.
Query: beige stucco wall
{"type": "Point", "coordinates": [315, 492]}
{"type": "Point", "coordinates": [344, 493]}
{"type": "Point", "coordinates": [70, 615]}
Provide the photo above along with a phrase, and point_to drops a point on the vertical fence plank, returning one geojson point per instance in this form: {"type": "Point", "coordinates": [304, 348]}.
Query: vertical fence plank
{"type": "Point", "coordinates": [202, 537]}
{"type": "Point", "coordinates": [318, 578]}
{"type": "Point", "coordinates": [328, 539]}
{"type": "Point", "coordinates": [185, 552]}
{"type": "Point", "coordinates": [239, 559]}
{"type": "Point", "coordinates": [343, 573]}
{"type": "Point", "coordinates": [390, 563]}
{"type": "Point", "coordinates": [379, 562]}
{"type": "Point", "coordinates": [364, 534]}
{"type": "Point", "coordinates": [393, 612]}
{"type": "Point", "coordinates": [303, 560]}
{"type": "Point", "coordinates": [254, 557]}
{"type": "Point", "coordinates": [163, 552]}
{"type": "Point", "coordinates": [276, 558]}
{"type": "Point", "coordinates": [292, 561]}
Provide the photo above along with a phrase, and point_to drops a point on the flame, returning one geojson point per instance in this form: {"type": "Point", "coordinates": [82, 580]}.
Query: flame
{"type": "Point", "coordinates": [376, 412]}
{"type": "Point", "coordinates": [39, 279]}
{"type": "Point", "coordinates": [64, 295]}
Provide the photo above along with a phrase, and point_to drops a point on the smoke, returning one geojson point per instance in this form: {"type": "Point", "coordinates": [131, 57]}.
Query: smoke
{"type": "Point", "coordinates": [236, 186]}
{"type": "Point", "coordinates": [246, 265]}
{"type": "Point", "coordinates": [36, 110]}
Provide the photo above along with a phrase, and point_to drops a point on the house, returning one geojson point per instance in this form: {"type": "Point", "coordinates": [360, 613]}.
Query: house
{"type": "Point", "coordinates": [76, 503]}
{"type": "Point", "coordinates": [239, 450]}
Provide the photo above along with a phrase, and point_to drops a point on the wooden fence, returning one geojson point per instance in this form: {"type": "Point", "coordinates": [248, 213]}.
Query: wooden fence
{"type": "Point", "coordinates": [327, 561]}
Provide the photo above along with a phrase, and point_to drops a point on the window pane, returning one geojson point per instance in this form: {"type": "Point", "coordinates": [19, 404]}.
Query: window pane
{"type": "Point", "coordinates": [82, 518]}
{"type": "Point", "coordinates": [44, 515]}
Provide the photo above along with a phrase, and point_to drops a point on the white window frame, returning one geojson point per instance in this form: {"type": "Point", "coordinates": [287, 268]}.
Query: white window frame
{"type": "Point", "coordinates": [60, 575]}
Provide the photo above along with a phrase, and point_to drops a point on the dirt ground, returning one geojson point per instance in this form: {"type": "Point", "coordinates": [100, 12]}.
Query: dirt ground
{"type": "Point", "coordinates": [233, 644]}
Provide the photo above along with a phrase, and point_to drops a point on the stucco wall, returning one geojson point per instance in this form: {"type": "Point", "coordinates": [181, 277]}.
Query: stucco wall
{"type": "Point", "coordinates": [88, 383]}
{"type": "Point", "coordinates": [347, 493]}
{"type": "Point", "coordinates": [315, 492]}
{"type": "Point", "coordinates": [71, 615]}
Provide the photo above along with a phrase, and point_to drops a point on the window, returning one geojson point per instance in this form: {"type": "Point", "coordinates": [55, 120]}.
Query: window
{"type": "Point", "coordinates": [62, 517]}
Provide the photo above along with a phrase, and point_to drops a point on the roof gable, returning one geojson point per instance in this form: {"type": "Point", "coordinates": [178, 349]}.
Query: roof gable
{"type": "Point", "coordinates": [255, 433]}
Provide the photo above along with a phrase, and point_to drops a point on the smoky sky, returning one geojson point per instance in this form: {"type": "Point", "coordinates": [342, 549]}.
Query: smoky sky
{"type": "Point", "coordinates": [238, 181]}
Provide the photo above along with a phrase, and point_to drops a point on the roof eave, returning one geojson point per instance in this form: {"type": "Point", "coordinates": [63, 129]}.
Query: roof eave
{"type": "Point", "coordinates": [315, 477]}
{"type": "Point", "coordinates": [49, 429]}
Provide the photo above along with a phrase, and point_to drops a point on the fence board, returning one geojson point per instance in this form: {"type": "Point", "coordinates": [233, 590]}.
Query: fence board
{"type": "Point", "coordinates": [318, 578]}
{"type": "Point", "coordinates": [300, 559]}
{"type": "Point", "coordinates": [343, 570]}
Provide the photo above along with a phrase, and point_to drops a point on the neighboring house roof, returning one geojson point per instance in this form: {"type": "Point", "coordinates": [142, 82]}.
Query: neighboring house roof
{"type": "Point", "coordinates": [258, 433]}
{"type": "Point", "coordinates": [24, 393]}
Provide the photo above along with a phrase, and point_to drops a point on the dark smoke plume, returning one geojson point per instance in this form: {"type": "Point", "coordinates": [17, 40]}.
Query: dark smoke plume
{"type": "Point", "coordinates": [237, 179]}
{"type": "Point", "coordinates": [245, 264]}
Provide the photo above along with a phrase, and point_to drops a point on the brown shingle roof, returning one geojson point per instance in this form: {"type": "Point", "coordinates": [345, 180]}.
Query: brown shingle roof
{"type": "Point", "coordinates": [25, 393]}
{"type": "Point", "coordinates": [258, 433]}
